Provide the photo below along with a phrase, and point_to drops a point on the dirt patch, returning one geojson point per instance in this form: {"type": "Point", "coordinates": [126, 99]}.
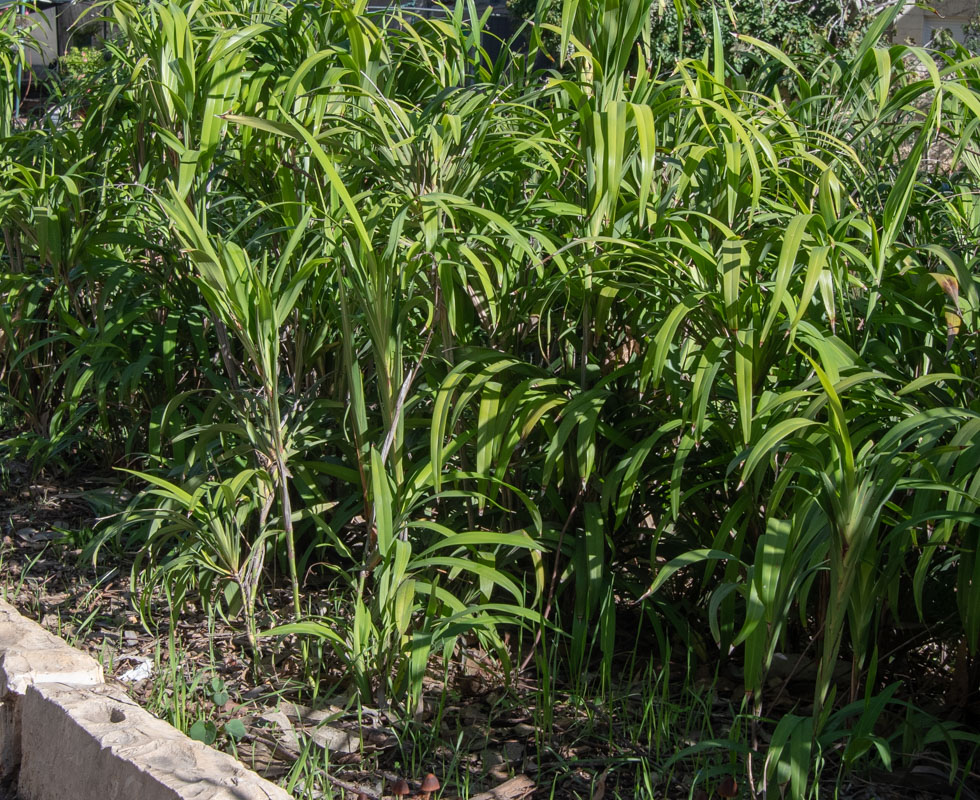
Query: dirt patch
{"type": "Point", "coordinates": [307, 733]}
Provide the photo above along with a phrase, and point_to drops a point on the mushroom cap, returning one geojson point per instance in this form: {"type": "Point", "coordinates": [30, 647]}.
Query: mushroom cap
{"type": "Point", "coordinates": [430, 783]}
{"type": "Point", "coordinates": [728, 787]}
{"type": "Point", "coordinates": [400, 788]}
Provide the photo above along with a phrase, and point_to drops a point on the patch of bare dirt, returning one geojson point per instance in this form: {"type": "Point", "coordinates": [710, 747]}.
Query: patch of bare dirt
{"type": "Point", "coordinates": [471, 729]}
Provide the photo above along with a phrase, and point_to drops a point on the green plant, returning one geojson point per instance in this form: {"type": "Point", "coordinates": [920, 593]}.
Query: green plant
{"type": "Point", "coordinates": [81, 65]}
{"type": "Point", "coordinates": [305, 778]}
{"type": "Point", "coordinates": [15, 43]}
{"type": "Point", "coordinates": [208, 537]}
{"type": "Point", "coordinates": [794, 27]}
{"type": "Point", "coordinates": [206, 730]}
{"type": "Point", "coordinates": [469, 350]}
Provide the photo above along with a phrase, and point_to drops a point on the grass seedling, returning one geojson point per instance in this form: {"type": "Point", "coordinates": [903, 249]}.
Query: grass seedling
{"type": "Point", "coordinates": [307, 779]}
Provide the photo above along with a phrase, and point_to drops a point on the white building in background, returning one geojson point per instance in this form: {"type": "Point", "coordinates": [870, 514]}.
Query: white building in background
{"type": "Point", "coordinates": [50, 22]}
{"type": "Point", "coordinates": [43, 25]}
{"type": "Point", "coordinates": [919, 25]}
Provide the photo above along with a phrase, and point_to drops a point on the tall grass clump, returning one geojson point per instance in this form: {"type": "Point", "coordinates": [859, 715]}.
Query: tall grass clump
{"type": "Point", "coordinates": [457, 343]}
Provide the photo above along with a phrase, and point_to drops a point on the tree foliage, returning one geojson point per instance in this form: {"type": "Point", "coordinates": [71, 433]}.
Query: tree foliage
{"type": "Point", "coordinates": [799, 27]}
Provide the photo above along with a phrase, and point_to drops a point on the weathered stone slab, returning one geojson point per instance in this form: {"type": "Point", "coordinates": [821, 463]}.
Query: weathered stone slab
{"type": "Point", "coordinates": [29, 655]}
{"type": "Point", "coordinates": [94, 743]}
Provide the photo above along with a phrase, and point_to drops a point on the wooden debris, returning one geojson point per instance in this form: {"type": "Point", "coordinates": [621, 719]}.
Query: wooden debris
{"type": "Point", "coordinates": [514, 789]}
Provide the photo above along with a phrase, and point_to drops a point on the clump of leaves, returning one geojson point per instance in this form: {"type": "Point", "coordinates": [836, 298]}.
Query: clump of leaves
{"type": "Point", "coordinates": [453, 345]}
{"type": "Point", "coordinates": [206, 729]}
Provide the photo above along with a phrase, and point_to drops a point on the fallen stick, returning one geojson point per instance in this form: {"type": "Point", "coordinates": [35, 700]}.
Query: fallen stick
{"type": "Point", "coordinates": [514, 789]}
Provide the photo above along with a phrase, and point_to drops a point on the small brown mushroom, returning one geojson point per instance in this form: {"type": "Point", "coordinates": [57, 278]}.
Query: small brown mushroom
{"type": "Point", "coordinates": [728, 787]}
{"type": "Point", "coordinates": [399, 788]}
{"type": "Point", "coordinates": [430, 785]}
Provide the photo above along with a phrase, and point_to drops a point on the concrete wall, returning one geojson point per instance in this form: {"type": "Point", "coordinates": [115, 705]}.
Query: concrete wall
{"type": "Point", "coordinates": [52, 29]}
{"type": "Point", "coordinates": [42, 26]}
{"type": "Point", "coordinates": [918, 26]}
{"type": "Point", "coordinates": [65, 734]}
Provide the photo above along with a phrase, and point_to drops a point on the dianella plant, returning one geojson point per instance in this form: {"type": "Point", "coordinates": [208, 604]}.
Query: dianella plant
{"type": "Point", "coordinates": [14, 46]}
{"type": "Point", "coordinates": [466, 341]}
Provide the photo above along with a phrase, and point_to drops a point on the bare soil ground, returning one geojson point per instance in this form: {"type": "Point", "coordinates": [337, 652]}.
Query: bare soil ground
{"type": "Point", "coordinates": [474, 731]}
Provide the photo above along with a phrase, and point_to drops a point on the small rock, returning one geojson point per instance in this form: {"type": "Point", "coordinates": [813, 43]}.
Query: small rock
{"type": "Point", "coordinates": [33, 535]}
{"type": "Point", "coordinates": [281, 721]}
{"type": "Point", "coordinates": [474, 737]}
{"type": "Point", "coordinates": [492, 759]}
{"type": "Point", "coordinates": [334, 739]}
{"type": "Point", "coordinates": [295, 711]}
{"type": "Point", "coordinates": [513, 752]}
